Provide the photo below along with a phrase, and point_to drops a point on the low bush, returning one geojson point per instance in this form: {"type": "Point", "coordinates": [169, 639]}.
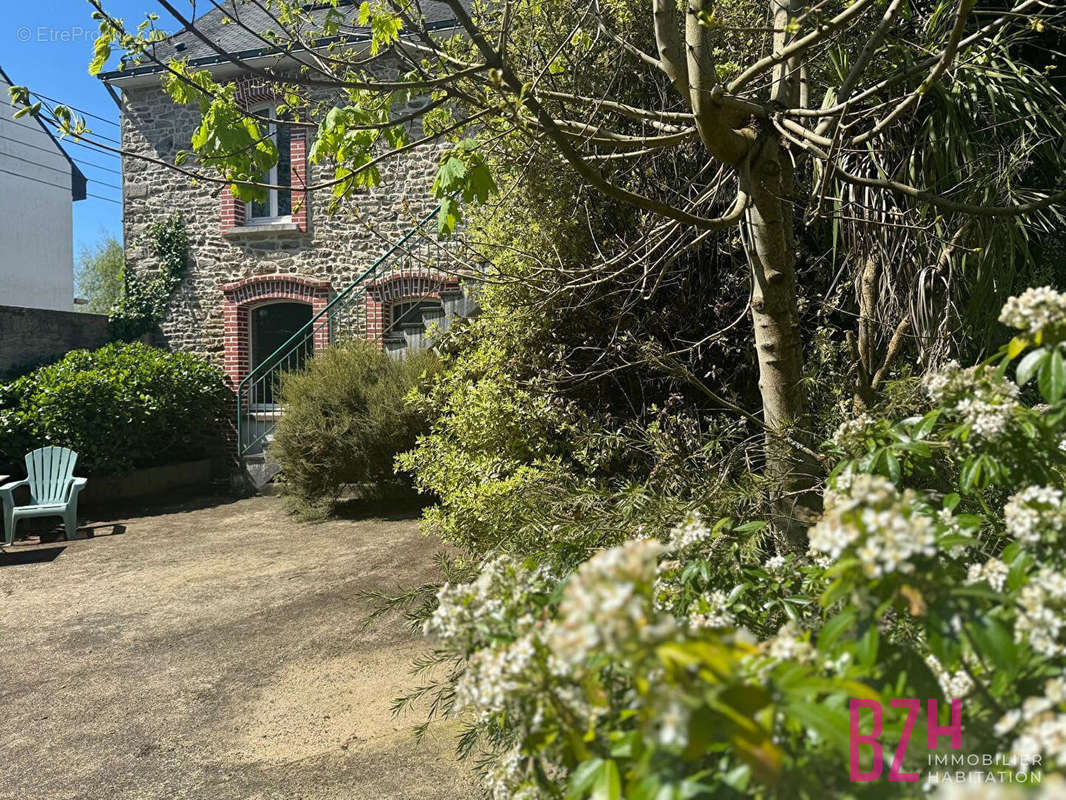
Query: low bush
{"type": "Point", "coordinates": [120, 407]}
{"type": "Point", "coordinates": [346, 418]}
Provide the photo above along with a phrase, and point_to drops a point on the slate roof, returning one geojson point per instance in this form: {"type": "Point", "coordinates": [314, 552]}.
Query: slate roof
{"type": "Point", "coordinates": [238, 36]}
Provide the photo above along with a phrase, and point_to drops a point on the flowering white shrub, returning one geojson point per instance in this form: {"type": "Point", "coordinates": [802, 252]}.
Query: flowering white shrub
{"type": "Point", "coordinates": [607, 606]}
{"type": "Point", "coordinates": [704, 665]}
{"type": "Point", "coordinates": [1035, 310]}
{"type": "Point", "coordinates": [977, 788]}
{"type": "Point", "coordinates": [956, 684]}
{"type": "Point", "coordinates": [993, 572]}
{"type": "Point", "coordinates": [1035, 514]}
{"type": "Point", "coordinates": [1042, 606]}
{"type": "Point", "coordinates": [1039, 726]}
{"type": "Point", "coordinates": [851, 434]}
{"type": "Point", "coordinates": [712, 611]}
{"type": "Point", "coordinates": [884, 529]}
{"type": "Point", "coordinates": [977, 397]}
{"type": "Point", "coordinates": [466, 611]}
{"type": "Point", "coordinates": [690, 533]}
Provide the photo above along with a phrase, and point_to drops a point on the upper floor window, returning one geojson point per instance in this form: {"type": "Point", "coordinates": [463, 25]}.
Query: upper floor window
{"type": "Point", "coordinates": [278, 204]}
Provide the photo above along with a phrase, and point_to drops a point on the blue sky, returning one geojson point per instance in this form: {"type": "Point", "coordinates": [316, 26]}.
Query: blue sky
{"type": "Point", "coordinates": [46, 45]}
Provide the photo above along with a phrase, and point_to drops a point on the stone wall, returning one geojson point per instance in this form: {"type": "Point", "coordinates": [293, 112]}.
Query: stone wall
{"type": "Point", "coordinates": [335, 248]}
{"type": "Point", "coordinates": [33, 336]}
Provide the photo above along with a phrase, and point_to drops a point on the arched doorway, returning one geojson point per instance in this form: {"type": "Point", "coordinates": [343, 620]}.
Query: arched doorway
{"type": "Point", "coordinates": [271, 326]}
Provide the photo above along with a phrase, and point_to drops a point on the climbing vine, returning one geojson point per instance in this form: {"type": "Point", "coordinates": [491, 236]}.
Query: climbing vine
{"type": "Point", "coordinates": [144, 304]}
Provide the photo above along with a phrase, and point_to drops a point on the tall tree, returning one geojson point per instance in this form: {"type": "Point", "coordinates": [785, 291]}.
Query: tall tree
{"type": "Point", "coordinates": [767, 95]}
{"type": "Point", "coordinates": [99, 276]}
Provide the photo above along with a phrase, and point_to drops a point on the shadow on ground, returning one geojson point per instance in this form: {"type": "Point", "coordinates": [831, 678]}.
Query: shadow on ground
{"type": "Point", "coordinates": [215, 651]}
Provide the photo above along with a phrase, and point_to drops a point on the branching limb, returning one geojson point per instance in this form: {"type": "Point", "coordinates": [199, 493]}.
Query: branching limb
{"type": "Point", "coordinates": [668, 42]}
{"type": "Point", "coordinates": [858, 66]}
{"type": "Point", "coordinates": [799, 46]}
{"type": "Point", "coordinates": [715, 125]}
{"type": "Point", "coordinates": [946, 57]}
{"type": "Point", "coordinates": [562, 141]}
{"type": "Point", "coordinates": [932, 198]}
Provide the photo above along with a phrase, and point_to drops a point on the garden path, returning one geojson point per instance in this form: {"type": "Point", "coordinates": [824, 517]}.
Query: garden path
{"type": "Point", "coordinates": [214, 650]}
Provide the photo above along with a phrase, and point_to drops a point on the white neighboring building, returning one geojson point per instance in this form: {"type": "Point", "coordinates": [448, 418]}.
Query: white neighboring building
{"type": "Point", "coordinates": [38, 182]}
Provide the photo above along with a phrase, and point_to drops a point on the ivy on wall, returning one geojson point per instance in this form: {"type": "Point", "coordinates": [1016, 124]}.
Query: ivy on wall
{"type": "Point", "coordinates": [144, 304]}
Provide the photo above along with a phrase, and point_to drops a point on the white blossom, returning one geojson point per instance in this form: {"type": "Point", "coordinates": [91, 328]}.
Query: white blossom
{"type": "Point", "coordinates": [1035, 310]}
{"type": "Point", "coordinates": [1042, 731]}
{"type": "Point", "coordinates": [851, 434]}
{"type": "Point", "coordinates": [673, 724]}
{"type": "Point", "coordinates": [789, 644]}
{"type": "Point", "coordinates": [976, 787]}
{"type": "Point", "coordinates": [993, 572]}
{"type": "Point", "coordinates": [1034, 514]}
{"type": "Point", "coordinates": [879, 523]}
{"type": "Point", "coordinates": [775, 564]}
{"type": "Point", "coordinates": [1040, 617]}
{"type": "Point", "coordinates": [976, 396]}
{"type": "Point", "coordinates": [712, 611]}
{"type": "Point", "coordinates": [955, 685]}
{"type": "Point", "coordinates": [462, 608]}
{"type": "Point", "coordinates": [690, 532]}
{"type": "Point", "coordinates": [1008, 722]}
{"type": "Point", "coordinates": [607, 605]}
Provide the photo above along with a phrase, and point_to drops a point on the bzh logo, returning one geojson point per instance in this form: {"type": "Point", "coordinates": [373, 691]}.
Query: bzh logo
{"type": "Point", "coordinates": [914, 708]}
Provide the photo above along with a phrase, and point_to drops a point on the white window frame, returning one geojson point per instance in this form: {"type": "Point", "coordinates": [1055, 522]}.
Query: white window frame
{"type": "Point", "coordinates": [272, 178]}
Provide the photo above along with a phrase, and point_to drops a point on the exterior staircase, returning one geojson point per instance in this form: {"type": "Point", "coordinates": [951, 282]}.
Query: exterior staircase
{"type": "Point", "coordinates": [345, 318]}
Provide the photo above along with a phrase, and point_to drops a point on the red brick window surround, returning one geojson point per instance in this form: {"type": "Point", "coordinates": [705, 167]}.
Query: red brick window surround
{"type": "Point", "coordinates": [244, 295]}
{"type": "Point", "coordinates": [397, 287]}
{"type": "Point", "coordinates": [252, 92]}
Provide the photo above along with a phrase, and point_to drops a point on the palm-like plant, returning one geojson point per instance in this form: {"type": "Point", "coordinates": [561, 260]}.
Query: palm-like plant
{"type": "Point", "coordinates": [932, 279]}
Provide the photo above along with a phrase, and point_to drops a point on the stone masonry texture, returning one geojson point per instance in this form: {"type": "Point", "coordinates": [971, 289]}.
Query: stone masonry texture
{"type": "Point", "coordinates": [33, 336]}
{"type": "Point", "coordinates": [335, 248]}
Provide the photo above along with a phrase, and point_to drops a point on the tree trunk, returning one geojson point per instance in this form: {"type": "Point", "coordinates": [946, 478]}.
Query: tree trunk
{"type": "Point", "coordinates": [792, 472]}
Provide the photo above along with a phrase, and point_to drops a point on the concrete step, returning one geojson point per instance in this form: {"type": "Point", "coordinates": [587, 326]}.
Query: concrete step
{"type": "Point", "coordinates": [260, 470]}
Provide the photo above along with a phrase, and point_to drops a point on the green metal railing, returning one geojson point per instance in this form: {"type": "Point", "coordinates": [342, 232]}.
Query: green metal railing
{"type": "Point", "coordinates": [344, 317]}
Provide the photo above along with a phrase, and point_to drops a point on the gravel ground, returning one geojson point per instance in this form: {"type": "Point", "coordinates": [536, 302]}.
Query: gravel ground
{"type": "Point", "coordinates": [213, 649]}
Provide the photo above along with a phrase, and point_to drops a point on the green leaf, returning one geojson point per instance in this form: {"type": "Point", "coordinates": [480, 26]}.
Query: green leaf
{"type": "Point", "coordinates": [608, 783]}
{"type": "Point", "coordinates": [755, 525]}
{"type": "Point", "coordinates": [833, 629]}
{"type": "Point", "coordinates": [995, 643]}
{"type": "Point", "coordinates": [1028, 366]}
{"type": "Point", "coordinates": [1052, 379]}
{"type": "Point", "coordinates": [101, 53]}
{"type": "Point", "coordinates": [829, 722]}
{"type": "Point", "coordinates": [583, 778]}
{"type": "Point", "coordinates": [892, 463]}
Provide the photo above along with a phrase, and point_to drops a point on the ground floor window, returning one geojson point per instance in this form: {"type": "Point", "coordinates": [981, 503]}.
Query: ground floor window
{"type": "Point", "coordinates": [405, 312]}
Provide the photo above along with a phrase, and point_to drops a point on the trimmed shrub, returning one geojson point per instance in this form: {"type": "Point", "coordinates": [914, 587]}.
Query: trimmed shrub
{"type": "Point", "coordinates": [120, 407]}
{"type": "Point", "coordinates": [346, 418]}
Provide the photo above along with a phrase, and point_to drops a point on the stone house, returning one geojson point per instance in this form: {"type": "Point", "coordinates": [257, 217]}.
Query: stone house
{"type": "Point", "coordinates": [259, 273]}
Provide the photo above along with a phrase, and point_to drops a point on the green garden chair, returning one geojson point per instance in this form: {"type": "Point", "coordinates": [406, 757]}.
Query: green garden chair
{"type": "Point", "coordinates": [53, 490]}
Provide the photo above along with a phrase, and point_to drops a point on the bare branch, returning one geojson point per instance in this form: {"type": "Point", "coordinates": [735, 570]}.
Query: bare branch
{"type": "Point", "coordinates": [932, 198]}
{"type": "Point", "coordinates": [800, 45]}
{"type": "Point", "coordinates": [668, 41]}
{"type": "Point", "coordinates": [946, 57]}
